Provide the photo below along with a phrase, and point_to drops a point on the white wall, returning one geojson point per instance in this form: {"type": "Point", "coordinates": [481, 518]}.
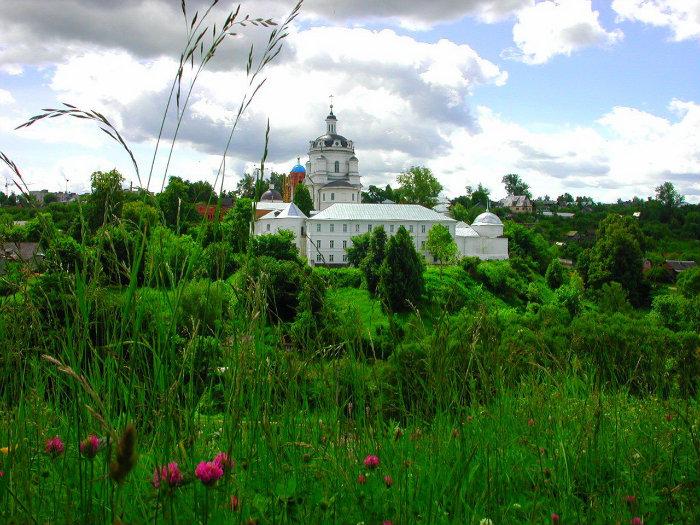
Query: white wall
{"type": "Point", "coordinates": [353, 228]}
{"type": "Point", "coordinates": [484, 248]}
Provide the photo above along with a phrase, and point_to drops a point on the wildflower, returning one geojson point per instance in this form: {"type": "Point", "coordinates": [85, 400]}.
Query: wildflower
{"type": "Point", "coordinates": [398, 433]}
{"type": "Point", "coordinates": [669, 417]}
{"type": "Point", "coordinates": [224, 461]}
{"type": "Point", "coordinates": [530, 422]}
{"type": "Point", "coordinates": [362, 479]}
{"type": "Point", "coordinates": [387, 522]}
{"type": "Point", "coordinates": [555, 518]}
{"type": "Point", "coordinates": [54, 447]}
{"type": "Point", "coordinates": [90, 446]}
{"type": "Point", "coordinates": [5, 450]}
{"type": "Point", "coordinates": [388, 481]}
{"type": "Point", "coordinates": [233, 503]}
{"type": "Point", "coordinates": [372, 461]}
{"type": "Point", "coordinates": [636, 521]}
{"type": "Point", "coordinates": [2, 474]}
{"type": "Point", "coordinates": [470, 419]}
{"type": "Point", "coordinates": [455, 433]}
{"type": "Point", "coordinates": [169, 474]}
{"type": "Point", "coordinates": [631, 500]}
{"type": "Point", "coordinates": [208, 472]}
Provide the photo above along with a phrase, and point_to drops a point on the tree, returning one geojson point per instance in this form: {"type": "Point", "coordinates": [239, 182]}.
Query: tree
{"type": "Point", "coordinates": [441, 245]}
{"type": "Point", "coordinates": [140, 214]}
{"type": "Point", "coordinates": [479, 196]}
{"type": "Point", "coordinates": [49, 198]}
{"type": "Point", "coordinates": [565, 200]}
{"type": "Point", "coordinates": [376, 195]}
{"type": "Point", "coordinates": [667, 194]}
{"type": "Point", "coordinates": [280, 246]}
{"type": "Point", "coordinates": [689, 282]}
{"type": "Point", "coordinates": [401, 276]}
{"type": "Point", "coordinates": [515, 185]}
{"type": "Point", "coordinates": [106, 199]}
{"type": "Point", "coordinates": [617, 256]}
{"type": "Point", "coordinates": [236, 225]}
{"type": "Point", "coordinates": [175, 203]}
{"type": "Point", "coordinates": [372, 262]}
{"type": "Point", "coordinates": [419, 186]}
{"type": "Point", "coordinates": [554, 274]}
{"type": "Point", "coordinates": [302, 198]}
{"type": "Point", "coordinates": [201, 191]}
{"type": "Point", "coordinates": [358, 249]}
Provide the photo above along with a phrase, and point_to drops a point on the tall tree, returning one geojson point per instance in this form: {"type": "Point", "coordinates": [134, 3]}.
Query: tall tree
{"type": "Point", "coordinates": [419, 186]}
{"type": "Point", "coordinates": [358, 249]}
{"type": "Point", "coordinates": [175, 204]}
{"type": "Point", "coordinates": [515, 185]}
{"type": "Point", "coordinates": [401, 284]}
{"type": "Point", "coordinates": [372, 263]}
{"type": "Point", "coordinates": [236, 225]}
{"type": "Point", "coordinates": [302, 198]}
{"type": "Point", "coordinates": [667, 194]}
{"type": "Point", "coordinates": [479, 196]}
{"type": "Point", "coordinates": [201, 191]}
{"type": "Point", "coordinates": [441, 245]}
{"type": "Point", "coordinates": [106, 198]}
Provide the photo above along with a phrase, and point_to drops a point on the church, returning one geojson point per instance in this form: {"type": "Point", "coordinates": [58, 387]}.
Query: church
{"type": "Point", "coordinates": [333, 178]}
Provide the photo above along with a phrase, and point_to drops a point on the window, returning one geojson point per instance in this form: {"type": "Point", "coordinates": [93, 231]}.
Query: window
{"type": "Point", "coordinates": [391, 228]}
{"type": "Point", "coordinates": [422, 228]}
{"type": "Point", "coordinates": [369, 227]}
{"type": "Point", "coordinates": [318, 257]}
{"type": "Point", "coordinates": [330, 258]}
{"type": "Point", "coordinates": [302, 232]}
{"type": "Point", "coordinates": [357, 227]}
{"type": "Point", "coordinates": [337, 166]}
{"type": "Point", "coordinates": [268, 227]}
{"type": "Point", "coordinates": [353, 196]}
{"type": "Point", "coordinates": [324, 196]}
{"type": "Point", "coordinates": [332, 196]}
{"type": "Point", "coordinates": [422, 245]}
{"type": "Point", "coordinates": [345, 258]}
{"type": "Point", "coordinates": [331, 228]}
{"type": "Point", "coordinates": [345, 228]}
{"type": "Point", "coordinates": [318, 227]}
{"type": "Point", "coordinates": [345, 244]}
{"type": "Point", "coordinates": [318, 243]}
{"type": "Point", "coordinates": [410, 228]}
{"type": "Point", "coordinates": [332, 244]}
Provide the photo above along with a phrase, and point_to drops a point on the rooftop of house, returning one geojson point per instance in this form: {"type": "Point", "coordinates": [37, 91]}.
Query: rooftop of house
{"type": "Point", "coordinates": [380, 212]}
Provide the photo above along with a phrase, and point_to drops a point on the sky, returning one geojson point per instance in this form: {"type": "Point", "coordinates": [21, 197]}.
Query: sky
{"type": "Point", "coordinates": [594, 98]}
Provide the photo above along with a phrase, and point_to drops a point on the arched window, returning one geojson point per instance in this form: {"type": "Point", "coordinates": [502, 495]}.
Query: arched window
{"type": "Point", "coordinates": [337, 166]}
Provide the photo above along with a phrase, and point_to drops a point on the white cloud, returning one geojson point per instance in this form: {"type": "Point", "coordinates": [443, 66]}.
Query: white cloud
{"type": "Point", "coordinates": [546, 29]}
{"type": "Point", "coordinates": [682, 17]}
{"type": "Point", "coordinates": [627, 153]}
{"type": "Point", "coordinates": [6, 98]}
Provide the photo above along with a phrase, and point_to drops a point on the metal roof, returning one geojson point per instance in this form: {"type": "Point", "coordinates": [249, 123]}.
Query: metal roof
{"type": "Point", "coordinates": [487, 219]}
{"type": "Point", "coordinates": [340, 183]}
{"type": "Point", "coordinates": [379, 212]}
{"type": "Point", "coordinates": [466, 232]}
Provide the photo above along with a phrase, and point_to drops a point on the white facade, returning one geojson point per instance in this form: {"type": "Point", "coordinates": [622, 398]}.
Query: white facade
{"type": "Point", "coordinates": [289, 218]}
{"type": "Point", "coordinates": [332, 169]}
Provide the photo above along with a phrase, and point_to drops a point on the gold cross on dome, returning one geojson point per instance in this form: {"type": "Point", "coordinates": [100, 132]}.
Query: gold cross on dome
{"type": "Point", "coordinates": [331, 97]}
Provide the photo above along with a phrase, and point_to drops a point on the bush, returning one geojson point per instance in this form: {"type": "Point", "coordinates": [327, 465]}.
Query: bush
{"type": "Point", "coordinates": [339, 277]}
{"type": "Point", "coordinates": [689, 282]}
{"type": "Point", "coordinates": [218, 261]}
{"type": "Point", "coordinates": [170, 257]}
{"type": "Point", "coordinates": [554, 274]}
{"type": "Point", "coordinates": [279, 245]}
{"type": "Point", "coordinates": [401, 285]}
{"type": "Point", "coordinates": [357, 251]}
{"type": "Point", "coordinates": [204, 306]}
{"type": "Point", "coordinates": [612, 298]}
{"type": "Point", "coordinates": [502, 279]}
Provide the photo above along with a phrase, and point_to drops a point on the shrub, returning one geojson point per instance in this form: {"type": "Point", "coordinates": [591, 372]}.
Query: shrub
{"type": "Point", "coordinates": [554, 274]}
{"type": "Point", "coordinates": [612, 298]}
{"type": "Point", "coordinates": [358, 249]}
{"type": "Point", "coordinates": [689, 282]}
{"type": "Point", "coordinates": [339, 277]}
{"type": "Point", "coordinates": [279, 245]}
{"type": "Point", "coordinates": [204, 306]}
{"type": "Point", "coordinates": [401, 285]}
{"type": "Point", "coordinates": [170, 257]}
{"type": "Point", "coordinates": [372, 262]}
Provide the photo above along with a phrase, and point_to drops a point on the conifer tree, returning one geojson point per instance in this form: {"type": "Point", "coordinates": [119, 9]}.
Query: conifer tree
{"type": "Point", "coordinates": [401, 276]}
{"type": "Point", "coordinates": [372, 262]}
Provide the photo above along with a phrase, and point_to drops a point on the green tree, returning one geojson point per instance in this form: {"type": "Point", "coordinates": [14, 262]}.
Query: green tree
{"type": "Point", "coordinates": [359, 246]}
{"type": "Point", "coordinates": [302, 198]}
{"type": "Point", "coordinates": [372, 262]}
{"type": "Point", "coordinates": [104, 204]}
{"type": "Point", "coordinates": [140, 214]}
{"type": "Point", "coordinates": [401, 284]}
{"type": "Point", "coordinates": [689, 282]}
{"type": "Point", "coordinates": [617, 256]}
{"type": "Point", "coordinates": [280, 246]}
{"type": "Point", "coordinates": [441, 245]}
{"type": "Point", "coordinates": [667, 194]}
{"type": "Point", "coordinates": [175, 203]}
{"type": "Point", "coordinates": [479, 196]}
{"type": "Point", "coordinates": [201, 191]}
{"type": "Point", "coordinates": [554, 274]}
{"type": "Point", "coordinates": [515, 185]}
{"type": "Point", "coordinates": [236, 225]}
{"type": "Point", "coordinates": [49, 198]}
{"type": "Point", "coordinates": [419, 186]}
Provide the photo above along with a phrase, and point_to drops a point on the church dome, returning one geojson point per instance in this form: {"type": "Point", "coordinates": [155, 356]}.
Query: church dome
{"type": "Point", "coordinates": [271, 195]}
{"type": "Point", "coordinates": [329, 140]}
{"type": "Point", "coordinates": [487, 219]}
{"type": "Point", "coordinates": [298, 169]}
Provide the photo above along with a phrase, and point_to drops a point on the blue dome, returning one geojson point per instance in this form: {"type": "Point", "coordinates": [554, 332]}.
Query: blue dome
{"type": "Point", "coordinates": [298, 169]}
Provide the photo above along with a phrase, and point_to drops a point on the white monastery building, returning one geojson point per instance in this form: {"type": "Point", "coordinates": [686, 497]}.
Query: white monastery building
{"type": "Point", "coordinates": [333, 178]}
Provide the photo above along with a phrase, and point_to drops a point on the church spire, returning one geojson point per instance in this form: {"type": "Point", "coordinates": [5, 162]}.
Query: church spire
{"type": "Point", "coordinates": [331, 120]}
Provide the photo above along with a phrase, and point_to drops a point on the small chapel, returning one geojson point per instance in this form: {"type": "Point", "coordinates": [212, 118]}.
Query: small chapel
{"type": "Point", "coordinates": [333, 178]}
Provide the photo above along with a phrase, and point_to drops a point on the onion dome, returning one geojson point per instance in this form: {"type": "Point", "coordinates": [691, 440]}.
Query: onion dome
{"type": "Point", "coordinates": [271, 195]}
{"type": "Point", "coordinates": [487, 219]}
{"type": "Point", "coordinates": [298, 169]}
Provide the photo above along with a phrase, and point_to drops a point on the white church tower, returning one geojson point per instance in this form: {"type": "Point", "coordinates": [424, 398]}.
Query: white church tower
{"type": "Point", "coordinates": [332, 169]}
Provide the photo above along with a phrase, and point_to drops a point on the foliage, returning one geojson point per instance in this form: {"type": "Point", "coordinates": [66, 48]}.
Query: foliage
{"type": "Point", "coordinates": [175, 204]}
{"type": "Point", "coordinates": [357, 251]}
{"type": "Point", "coordinates": [236, 225]}
{"type": "Point", "coordinates": [104, 204]}
{"type": "Point", "coordinates": [401, 274]}
{"type": "Point", "coordinates": [668, 195]}
{"type": "Point", "coordinates": [441, 245]}
{"type": "Point", "coordinates": [372, 262]}
{"type": "Point", "coordinates": [418, 185]}
{"type": "Point", "coordinates": [280, 245]}
{"type": "Point", "coordinates": [515, 185]}
{"type": "Point", "coordinates": [612, 297]}
{"type": "Point", "coordinates": [171, 257]}
{"type": "Point", "coordinates": [527, 245]}
{"type": "Point", "coordinates": [689, 282]}
{"type": "Point", "coordinates": [303, 200]}
{"type": "Point", "coordinates": [141, 215]}
{"type": "Point", "coordinates": [554, 274]}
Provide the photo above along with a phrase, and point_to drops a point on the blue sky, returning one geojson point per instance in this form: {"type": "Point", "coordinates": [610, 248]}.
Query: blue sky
{"type": "Point", "coordinates": [594, 98]}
